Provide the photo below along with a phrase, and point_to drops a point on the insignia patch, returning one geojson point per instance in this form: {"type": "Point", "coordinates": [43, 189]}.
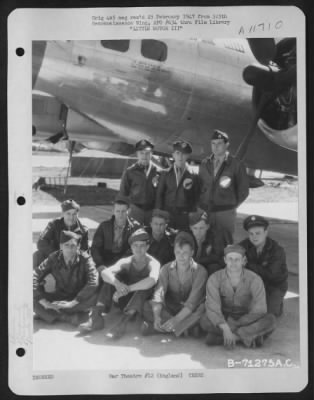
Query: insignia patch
{"type": "Point", "coordinates": [187, 183]}
{"type": "Point", "coordinates": [155, 180]}
{"type": "Point", "coordinates": [225, 182]}
{"type": "Point", "coordinates": [143, 142]}
{"type": "Point", "coordinates": [208, 249]}
{"type": "Point", "coordinates": [253, 218]}
{"type": "Point", "coordinates": [184, 145]}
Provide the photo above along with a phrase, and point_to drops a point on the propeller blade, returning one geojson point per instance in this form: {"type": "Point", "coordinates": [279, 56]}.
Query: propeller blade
{"type": "Point", "coordinates": [264, 49]}
{"type": "Point", "coordinates": [269, 80]}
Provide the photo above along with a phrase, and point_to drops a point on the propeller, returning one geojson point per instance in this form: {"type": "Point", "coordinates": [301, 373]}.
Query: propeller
{"type": "Point", "coordinates": [269, 79]}
{"type": "Point", "coordinates": [264, 49]}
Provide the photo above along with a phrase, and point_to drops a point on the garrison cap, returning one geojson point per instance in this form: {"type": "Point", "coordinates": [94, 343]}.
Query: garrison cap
{"type": "Point", "coordinates": [65, 236]}
{"type": "Point", "coordinates": [144, 145]}
{"type": "Point", "coordinates": [220, 135]}
{"type": "Point", "coordinates": [254, 220]}
{"type": "Point", "coordinates": [182, 146]}
{"type": "Point", "coordinates": [184, 238]}
{"type": "Point", "coordinates": [120, 199]}
{"type": "Point", "coordinates": [140, 235]}
{"type": "Point", "coordinates": [234, 248]}
{"type": "Point", "coordinates": [161, 214]}
{"type": "Point", "coordinates": [197, 216]}
{"type": "Point", "coordinates": [69, 205]}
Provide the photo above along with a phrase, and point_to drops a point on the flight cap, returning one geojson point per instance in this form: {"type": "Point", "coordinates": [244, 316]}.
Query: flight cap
{"type": "Point", "coordinates": [197, 216]}
{"type": "Point", "coordinates": [234, 248]}
{"type": "Point", "coordinates": [66, 236]}
{"type": "Point", "coordinates": [140, 235]}
{"type": "Point", "coordinates": [120, 199]}
{"type": "Point", "coordinates": [220, 135]}
{"type": "Point", "coordinates": [161, 214]}
{"type": "Point", "coordinates": [69, 205]}
{"type": "Point", "coordinates": [255, 220]}
{"type": "Point", "coordinates": [182, 146]}
{"type": "Point", "coordinates": [144, 145]}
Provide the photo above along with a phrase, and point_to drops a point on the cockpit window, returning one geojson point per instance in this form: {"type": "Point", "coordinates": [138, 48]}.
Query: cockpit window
{"type": "Point", "coordinates": [154, 49]}
{"type": "Point", "coordinates": [117, 45]}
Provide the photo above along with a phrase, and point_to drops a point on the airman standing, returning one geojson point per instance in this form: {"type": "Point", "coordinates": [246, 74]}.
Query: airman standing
{"type": "Point", "coordinates": [224, 185]}
{"type": "Point", "coordinates": [139, 183]}
{"type": "Point", "coordinates": [178, 188]}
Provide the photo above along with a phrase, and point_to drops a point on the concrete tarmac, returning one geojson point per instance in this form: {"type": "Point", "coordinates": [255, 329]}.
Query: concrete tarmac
{"type": "Point", "coordinates": [61, 347]}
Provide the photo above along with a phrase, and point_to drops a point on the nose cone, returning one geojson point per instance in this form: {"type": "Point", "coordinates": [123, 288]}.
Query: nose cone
{"type": "Point", "coordinates": [38, 51]}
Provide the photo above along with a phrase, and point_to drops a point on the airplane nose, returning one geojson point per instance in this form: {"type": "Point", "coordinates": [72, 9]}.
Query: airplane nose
{"type": "Point", "coordinates": [38, 51]}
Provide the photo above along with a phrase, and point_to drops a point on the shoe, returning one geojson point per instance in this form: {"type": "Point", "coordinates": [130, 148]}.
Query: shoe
{"type": "Point", "coordinates": [72, 319]}
{"type": "Point", "coordinates": [259, 341]}
{"type": "Point", "coordinates": [195, 331]}
{"type": "Point", "coordinates": [147, 328]}
{"type": "Point", "coordinates": [95, 322]}
{"type": "Point", "coordinates": [214, 340]}
{"type": "Point", "coordinates": [119, 330]}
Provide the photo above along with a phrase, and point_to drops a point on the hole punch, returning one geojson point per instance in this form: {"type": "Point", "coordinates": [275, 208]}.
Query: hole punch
{"type": "Point", "coordinates": [20, 352]}
{"type": "Point", "coordinates": [21, 200]}
{"type": "Point", "coordinates": [20, 51]}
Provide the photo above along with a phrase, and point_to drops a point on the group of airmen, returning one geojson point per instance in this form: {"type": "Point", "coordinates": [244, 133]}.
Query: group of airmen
{"type": "Point", "coordinates": [167, 255]}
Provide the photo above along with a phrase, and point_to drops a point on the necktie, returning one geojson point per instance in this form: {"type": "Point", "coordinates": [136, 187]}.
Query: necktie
{"type": "Point", "coordinates": [179, 174]}
{"type": "Point", "coordinates": [216, 166]}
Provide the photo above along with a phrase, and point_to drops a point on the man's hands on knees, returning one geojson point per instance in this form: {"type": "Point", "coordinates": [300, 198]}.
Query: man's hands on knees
{"type": "Point", "coordinates": [122, 288]}
{"type": "Point", "coordinates": [65, 304]}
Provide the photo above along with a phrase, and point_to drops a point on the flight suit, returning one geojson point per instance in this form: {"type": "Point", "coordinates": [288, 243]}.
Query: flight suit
{"type": "Point", "coordinates": [174, 295]}
{"type": "Point", "coordinates": [78, 281]}
{"type": "Point", "coordinates": [49, 239]}
{"type": "Point", "coordinates": [243, 309]}
{"type": "Point", "coordinates": [102, 246]}
{"type": "Point", "coordinates": [222, 193]}
{"type": "Point", "coordinates": [141, 191]}
{"type": "Point", "coordinates": [271, 266]}
{"type": "Point", "coordinates": [179, 199]}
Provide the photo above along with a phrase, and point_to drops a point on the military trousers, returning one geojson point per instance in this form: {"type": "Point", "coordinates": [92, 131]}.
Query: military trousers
{"type": "Point", "coordinates": [170, 311]}
{"type": "Point", "coordinates": [48, 315]}
{"type": "Point", "coordinates": [262, 326]}
{"type": "Point", "coordinates": [274, 300]}
{"type": "Point", "coordinates": [132, 301]}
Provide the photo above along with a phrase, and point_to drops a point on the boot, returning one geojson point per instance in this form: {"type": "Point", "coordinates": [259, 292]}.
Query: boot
{"type": "Point", "coordinates": [261, 327]}
{"type": "Point", "coordinates": [72, 319]}
{"type": "Point", "coordinates": [95, 321]}
{"type": "Point", "coordinates": [147, 329]}
{"type": "Point", "coordinates": [119, 330]}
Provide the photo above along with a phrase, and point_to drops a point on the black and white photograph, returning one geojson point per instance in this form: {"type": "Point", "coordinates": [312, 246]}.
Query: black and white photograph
{"type": "Point", "coordinates": [166, 230]}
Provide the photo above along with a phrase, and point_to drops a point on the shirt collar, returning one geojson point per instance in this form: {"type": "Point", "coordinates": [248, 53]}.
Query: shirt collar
{"type": "Point", "coordinates": [193, 264]}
